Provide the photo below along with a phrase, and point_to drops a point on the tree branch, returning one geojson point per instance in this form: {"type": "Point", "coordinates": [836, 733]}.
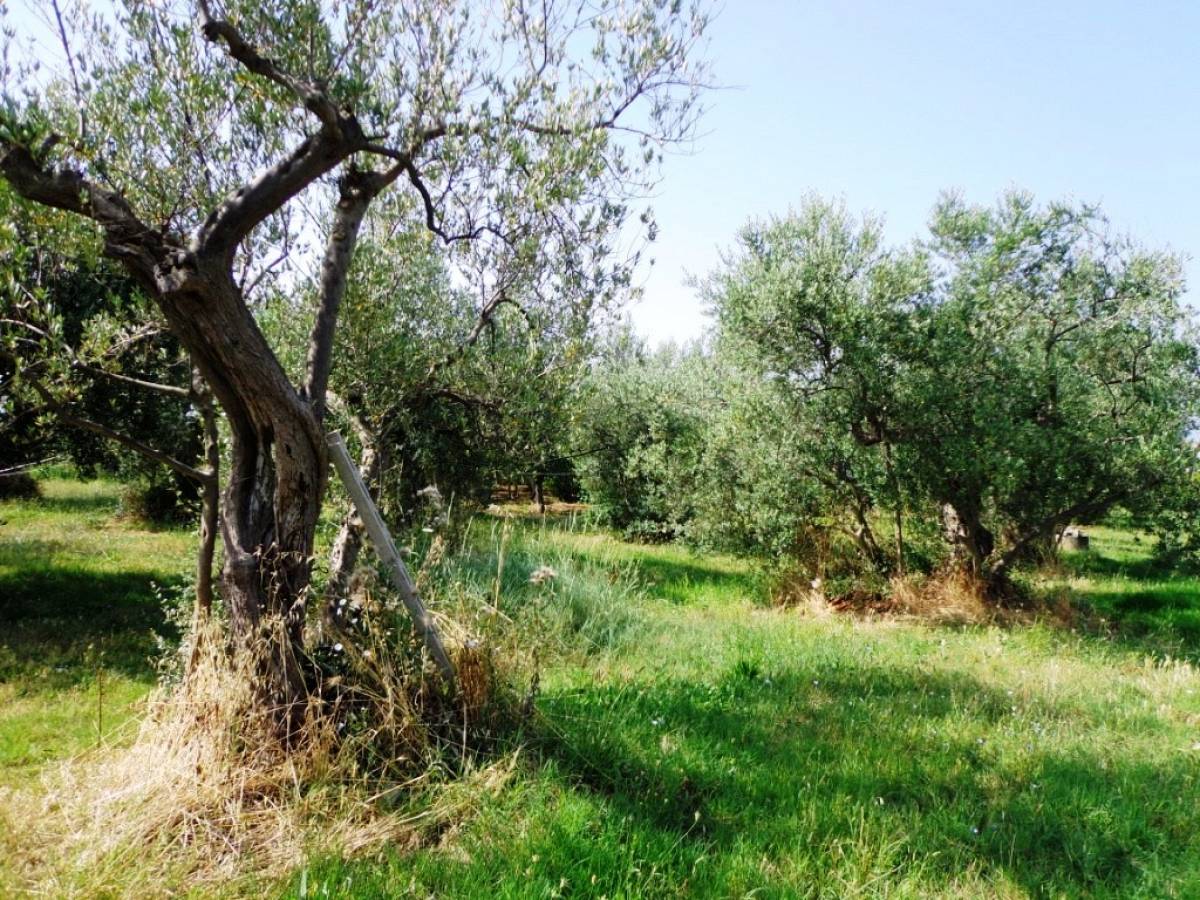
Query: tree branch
{"type": "Point", "coordinates": [128, 238]}
{"type": "Point", "coordinates": [357, 189]}
{"type": "Point", "coordinates": [243, 210]}
{"type": "Point", "coordinates": [66, 45]}
{"type": "Point", "coordinates": [431, 212]}
{"type": "Point", "coordinates": [169, 389]}
{"type": "Point", "coordinates": [310, 94]}
{"type": "Point", "coordinates": [200, 476]}
{"type": "Point", "coordinates": [1094, 504]}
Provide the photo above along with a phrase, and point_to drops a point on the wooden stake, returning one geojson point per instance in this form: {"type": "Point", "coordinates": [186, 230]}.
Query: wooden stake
{"type": "Point", "coordinates": [386, 548]}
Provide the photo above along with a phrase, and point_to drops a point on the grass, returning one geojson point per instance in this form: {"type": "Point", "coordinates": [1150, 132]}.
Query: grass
{"type": "Point", "coordinates": [78, 618]}
{"type": "Point", "coordinates": [736, 750]}
{"type": "Point", "coordinates": [693, 741]}
{"type": "Point", "coordinates": [1118, 577]}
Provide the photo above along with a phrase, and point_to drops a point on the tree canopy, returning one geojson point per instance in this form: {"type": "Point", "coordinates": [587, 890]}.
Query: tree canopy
{"type": "Point", "coordinates": [225, 151]}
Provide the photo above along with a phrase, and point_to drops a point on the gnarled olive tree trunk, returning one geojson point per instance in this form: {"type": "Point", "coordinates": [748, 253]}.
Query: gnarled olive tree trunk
{"type": "Point", "coordinates": [964, 530]}
{"type": "Point", "coordinates": [272, 494]}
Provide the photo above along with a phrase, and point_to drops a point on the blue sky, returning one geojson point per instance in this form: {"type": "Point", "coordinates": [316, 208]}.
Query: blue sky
{"type": "Point", "coordinates": [885, 104]}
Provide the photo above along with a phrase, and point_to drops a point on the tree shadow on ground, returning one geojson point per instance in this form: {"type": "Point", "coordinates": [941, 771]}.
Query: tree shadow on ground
{"type": "Point", "coordinates": [797, 766]}
{"type": "Point", "coordinates": [58, 620]}
{"type": "Point", "coordinates": [1094, 563]}
{"type": "Point", "coordinates": [78, 503]}
{"type": "Point", "coordinates": [682, 580]}
{"type": "Point", "coordinates": [1159, 621]}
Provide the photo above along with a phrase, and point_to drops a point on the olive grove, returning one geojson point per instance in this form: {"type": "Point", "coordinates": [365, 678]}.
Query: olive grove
{"type": "Point", "coordinates": [958, 400]}
{"type": "Point", "coordinates": [228, 152]}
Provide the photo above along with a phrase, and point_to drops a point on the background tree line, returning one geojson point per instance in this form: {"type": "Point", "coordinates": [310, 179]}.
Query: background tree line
{"type": "Point", "coordinates": [860, 410]}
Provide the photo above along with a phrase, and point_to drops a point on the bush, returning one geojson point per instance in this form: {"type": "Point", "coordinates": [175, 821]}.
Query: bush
{"type": "Point", "coordinates": [638, 437]}
{"type": "Point", "coordinates": [159, 501]}
{"type": "Point", "coordinates": [19, 486]}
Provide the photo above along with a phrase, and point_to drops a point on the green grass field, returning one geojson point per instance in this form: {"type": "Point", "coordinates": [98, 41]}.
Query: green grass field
{"type": "Point", "coordinates": [693, 741]}
{"type": "Point", "coordinates": [79, 613]}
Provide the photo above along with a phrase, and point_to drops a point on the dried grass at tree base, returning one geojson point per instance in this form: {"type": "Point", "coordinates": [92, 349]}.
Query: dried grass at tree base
{"type": "Point", "coordinates": [952, 597]}
{"type": "Point", "coordinates": [207, 795]}
{"type": "Point", "coordinates": [948, 597]}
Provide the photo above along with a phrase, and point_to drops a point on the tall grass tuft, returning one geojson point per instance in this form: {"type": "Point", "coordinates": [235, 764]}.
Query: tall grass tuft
{"type": "Point", "coordinates": [530, 589]}
{"type": "Point", "coordinates": [208, 794]}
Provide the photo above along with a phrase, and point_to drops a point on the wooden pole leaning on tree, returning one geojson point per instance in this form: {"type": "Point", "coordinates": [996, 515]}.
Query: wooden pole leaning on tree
{"type": "Point", "coordinates": [386, 548]}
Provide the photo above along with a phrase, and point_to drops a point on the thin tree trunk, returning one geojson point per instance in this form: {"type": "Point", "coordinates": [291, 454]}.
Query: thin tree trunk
{"type": "Point", "coordinates": [210, 497]}
{"type": "Point", "coordinates": [899, 507]}
{"type": "Point", "coordinates": [865, 538]}
{"type": "Point", "coordinates": [539, 497]}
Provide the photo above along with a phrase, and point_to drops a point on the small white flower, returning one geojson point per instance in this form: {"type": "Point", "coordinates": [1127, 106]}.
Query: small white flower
{"type": "Point", "coordinates": [542, 574]}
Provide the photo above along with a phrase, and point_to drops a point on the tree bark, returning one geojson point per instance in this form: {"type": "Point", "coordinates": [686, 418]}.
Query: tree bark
{"type": "Point", "coordinates": [963, 529]}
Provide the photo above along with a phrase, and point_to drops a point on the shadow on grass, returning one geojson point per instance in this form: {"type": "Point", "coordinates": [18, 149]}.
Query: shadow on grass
{"type": "Point", "coordinates": [1159, 620]}
{"type": "Point", "coordinates": [775, 768]}
{"type": "Point", "coordinates": [1144, 605]}
{"type": "Point", "coordinates": [78, 503]}
{"type": "Point", "coordinates": [682, 580]}
{"type": "Point", "coordinates": [1092, 563]}
{"type": "Point", "coordinates": [55, 621]}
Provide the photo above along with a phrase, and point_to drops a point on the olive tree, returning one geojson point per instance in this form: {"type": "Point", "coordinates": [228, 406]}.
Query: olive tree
{"type": "Point", "coordinates": [1020, 369]}
{"type": "Point", "coordinates": [212, 143]}
{"type": "Point", "coordinates": [814, 305]}
{"type": "Point", "coordinates": [1055, 378]}
{"type": "Point", "coordinates": [638, 435]}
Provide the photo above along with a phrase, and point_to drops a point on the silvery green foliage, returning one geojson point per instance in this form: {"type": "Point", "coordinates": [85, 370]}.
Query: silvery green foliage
{"type": "Point", "coordinates": [1022, 366]}
{"type": "Point", "coordinates": [534, 129]}
{"type": "Point", "coordinates": [638, 436]}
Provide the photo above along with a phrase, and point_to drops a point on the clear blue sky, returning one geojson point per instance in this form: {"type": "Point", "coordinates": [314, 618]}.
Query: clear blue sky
{"type": "Point", "coordinates": [885, 104]}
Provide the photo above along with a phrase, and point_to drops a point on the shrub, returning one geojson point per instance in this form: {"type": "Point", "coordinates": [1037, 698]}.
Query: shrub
{"type": "Point", "coordinates": [19, 486]}
{"type": "Point", "coordinates": [158, 500]}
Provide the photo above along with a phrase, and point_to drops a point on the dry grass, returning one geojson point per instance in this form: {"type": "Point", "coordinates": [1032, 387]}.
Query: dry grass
{"type": "Point", "coordinates": [949, 598]}
{"type": "Point", "coordinates": [207, 795]}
